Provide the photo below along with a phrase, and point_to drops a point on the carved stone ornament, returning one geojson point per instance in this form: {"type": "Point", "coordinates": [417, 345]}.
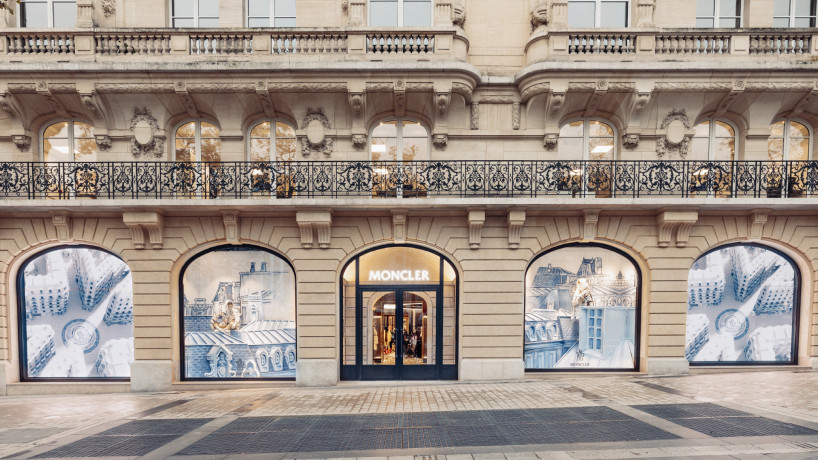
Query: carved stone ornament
{"type": "Point", "coordinates": [458, 14]}
{"type": "Point", "coordinates": [440, 141]}
{"type": "Point", "coordinates": [674, 139]}
{"type": "Point", "coordinates": [108, 7]}
{"type": "Point", "coordinates": [442, 101]}
{"type": "Point", "coordinates": [549, 141]}
{"type": "Point", "coordinates": [539, 16]}
{"type": "Point", "coordinates": [359, 141]}
{"type": "Point", "coordinates": [630, 141]}
{"type": "Point", "coordinates": [22, 142]}
{"type": "Point", "coordinates": [103, 142]}
{"type": "Point", "coordinates": [356, 101]}
{"type": "Point", "coordinates": [145, 141]}
{"type": "Point", "coordinates": [315, 126]}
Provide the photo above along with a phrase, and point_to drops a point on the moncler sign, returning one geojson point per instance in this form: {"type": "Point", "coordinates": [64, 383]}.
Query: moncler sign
{"type": "Point", "coordinates": [398, 275]}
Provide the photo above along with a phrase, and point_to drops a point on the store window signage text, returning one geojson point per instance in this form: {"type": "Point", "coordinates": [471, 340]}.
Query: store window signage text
{"type": "Point", "coordinates": [398, 275]}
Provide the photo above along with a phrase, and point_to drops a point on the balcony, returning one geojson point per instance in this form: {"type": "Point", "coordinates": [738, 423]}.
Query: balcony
{"type": "Point", "coordinates": [120, 45]}
{"type": "Point", "coordinates": [408, 180]}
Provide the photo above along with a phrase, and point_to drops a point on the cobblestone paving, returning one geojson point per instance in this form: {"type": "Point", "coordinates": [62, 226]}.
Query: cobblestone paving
{"type": "Point", "coordinates": [729, 415]}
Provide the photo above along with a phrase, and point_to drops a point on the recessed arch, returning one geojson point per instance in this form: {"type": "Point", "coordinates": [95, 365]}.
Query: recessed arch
{"type": "Point", "coordinates": [237, 308]}
{"type": "Point", "coordinates": [588, 296]}
{"type": "Point", "coordinates": [75, 315]}
{"type": "Point", "coordinates": [743, 306]}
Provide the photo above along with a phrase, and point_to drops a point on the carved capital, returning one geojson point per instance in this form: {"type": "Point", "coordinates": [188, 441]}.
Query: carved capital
{"type": "Point", "coordinates": [141, 223]}
{"type": "Point", "coordinates": [515, 220]}
{"type": "Point", "coordinates": [62, 222]}
{"type": "Point", "coordinates": [675, 223]}
{"type": "Point", "coordinates": [359, 141]}
{"type": "Point", "coordinates": [231, 226]}
{"type": "Point", "coordinates": [550, 140]}
{"type": "Point", "coordinates": [476, 219]}
{"type": "Point", "coordinates": [630, 141]}
{"type": "Point", "coordinates": [103, 141]}
{"type": "Point", "coordinates": [440, 141]}
{"type": "Point", "coordinates": [318, 222]}
{"type": "Point", "coordinates": [22, 142]}
{"type": "Point", "coordinates": [399, 225]}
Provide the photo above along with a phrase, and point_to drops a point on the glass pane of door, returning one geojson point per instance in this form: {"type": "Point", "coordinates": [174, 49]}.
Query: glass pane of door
{"type": "Point", "coordinates": [384, 329]}
{"type": "Point", "coordinates": [419, 319]}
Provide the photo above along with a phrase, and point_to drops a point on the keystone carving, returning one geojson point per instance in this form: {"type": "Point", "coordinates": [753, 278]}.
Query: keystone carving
{"type": "Point", "coordinates": [757, 220]}
{"type": "Point", "coordinates": [141, 223]}
{"type": "Point", "coordinates": [231, 226]}
{"type": "Point", "coordinates": [590, 220]}
{"type": "Point", "coordinates": [62, 222]}
{"type": "Point", "coordinates": [515, 220]}
{"type": "Point", "coordinates": [399, 225]}
{"type": "Point", "coordinates": [678, 223]}
{"type": "Point", "coordinates": [318, 222]}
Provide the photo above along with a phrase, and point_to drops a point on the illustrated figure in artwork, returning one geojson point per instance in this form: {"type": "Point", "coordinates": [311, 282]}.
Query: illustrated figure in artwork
{"type": "Point", "coordinates": [582, 294]}
{"type": "Point", "coordinates": [228, 319]}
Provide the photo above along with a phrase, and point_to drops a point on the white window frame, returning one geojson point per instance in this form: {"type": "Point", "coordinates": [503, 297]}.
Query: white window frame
{"type": "Point", "coordinates": [271, 17]}
{"type": "Point", "coordinates": [399, 136]}
{"type": "Point", "coordinates": [598, 10]}
{"type": "Point", "coordinates": [50, 9]}
{"type": "Point", "coordinates": [400, 12]}
{"type": "Point", "coordinates": [272, 137]}
{"type": "Point", "coordinates": [712, 137]}
{"type": "Point", "coordinates": [586, 136]}
{"type": "Point", "coordinates": [792, 16]}
{"type": "Point", "coordinates": [785, 155]}
{"type": "Point", "coordinates": [197, 143]}
{"type": "Point", "coordinates": [716, 16]}
{"type": "Point", "coordinates": [196, 16]}
{"type": "Point", "coordinates": [70, 136]}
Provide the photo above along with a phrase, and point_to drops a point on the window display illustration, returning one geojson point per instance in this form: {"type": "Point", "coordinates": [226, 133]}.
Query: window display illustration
{"type": "Point", "coordinates": [580, 310]}
{"type": "Point", "coordinates": [78, 315]}
{"type": "Point", "coordinates": [741, 307]}
{"type": "Point", "coordinates": [239, 315]}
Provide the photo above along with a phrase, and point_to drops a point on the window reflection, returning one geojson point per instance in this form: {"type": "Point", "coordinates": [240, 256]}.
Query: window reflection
{"type": "Point", "coordinates": [69, 141]}
{"type": "Point", "coordinates": [400, 13]}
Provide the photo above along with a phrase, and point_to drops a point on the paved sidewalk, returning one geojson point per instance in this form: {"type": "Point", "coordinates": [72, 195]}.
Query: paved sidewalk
{"type": "Point", "coordinates": [729, 415]}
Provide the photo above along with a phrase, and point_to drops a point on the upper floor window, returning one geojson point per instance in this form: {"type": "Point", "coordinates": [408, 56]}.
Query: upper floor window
{"type": "Point", "coordinates": [399, 140]}
{"type": "Point", "coordinates": [713, 140]}
{"type": "Point", "coordinates": [401, 13]}
{"type": "Point", "coordinates": [272, 141]}
{"type": "Point", "coordinates": [48, 13]}
{"type": "Point", "coordinates": [194, 13]}
{"type": "Point", "coordinates": [198, 141]}
{"type": "Point", "coordinates": [587, 139]}
{"type": "Point", "coordinates": [597, 13]}
{"type": "Point", "coordinates": [789, 141]}
{"type": "Point", "coordinates": [270, 13]}
{"type": "Point", "coordinates": [69, 141]}
{"type": "Point", "coordinates": [718, 13]}
{"type": "Point", "coordinates": [794, 13]}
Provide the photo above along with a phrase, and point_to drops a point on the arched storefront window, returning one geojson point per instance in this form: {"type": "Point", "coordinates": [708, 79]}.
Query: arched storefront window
{"type": "Point", "coordinates": [238, 315]}
{"type": "Point", "coordinates": [76, 315]}
{"type": "Point", "coordinates": [69, 141]}
{"type": "Point", "coordinates": [789, 141]}
{"type": "Point", "coordinates": [582, 310]}
{"type": "Point", "coordinates": [399, 315]}
{"type": "Point", "coordinates": [742, 307]}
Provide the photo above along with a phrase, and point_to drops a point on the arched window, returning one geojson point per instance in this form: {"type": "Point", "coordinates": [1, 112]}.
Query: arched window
{"type": "Point", "coordinates": [598, 13]}
{"type": "Point", "coordinates": [69, 141]}
{"type": "Point", "coordinates": [76, 315]}
{"type": "Point", "coordinates": [595, 292]}
{"type": "Point", "coordinates": [194, 13]}
{"type": "Point", "coordinates": [400, 13]}
{"type": "Point", "coordinates": [198, 141]}
{"type": "Point", "coordinates": [718, 13]}
{"type": "Point", "coordinates": [272, 140]}
{"type": "Point", "coordinates": [271, 13]}
{"type": "Point", "coordinates": [238, 315]}
{"type": "Point", "coordinates": [713, 140]}
{"type": "Point", "coordinates": [794, 13]}
{"type": "Point", "coordinates": [48, 13]}
{"type": "Point", "coordinates": [789, 141]}
{"type": "Point", "coordinates": [742, 307]}
{"type": "Point", "coordinates": [587, 139]}
{"type": "Point", "coordinates": [399, 140]}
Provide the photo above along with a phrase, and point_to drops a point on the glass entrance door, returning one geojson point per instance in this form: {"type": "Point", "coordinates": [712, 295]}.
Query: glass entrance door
{"type": "Point", "coordinates": [400, 334]}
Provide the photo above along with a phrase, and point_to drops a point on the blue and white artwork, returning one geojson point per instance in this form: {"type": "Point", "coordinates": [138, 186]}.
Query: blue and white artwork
{"type": "Point", "coordinates": [580, 310]}
{"type": "Point", "coordinates": [78, 307]}
{"type": "Point", "coordinates": [740, 307]}
{"type": "Point", "coordinates": [239, 315]}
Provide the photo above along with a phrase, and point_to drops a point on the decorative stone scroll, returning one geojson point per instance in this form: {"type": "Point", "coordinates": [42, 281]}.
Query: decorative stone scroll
{"type": "Point", "coordinates": [515, 220]}
{"type": "Point", "coordinates": [140, 223]}
{"type": "Point", "coordinates": [477, 217]}
{"type": "Point", "coordinates": [675, 223]}
{"type": "Point", "coordinates": [22, 142]}
{"type": "Point", "coordinates": [310, 222]}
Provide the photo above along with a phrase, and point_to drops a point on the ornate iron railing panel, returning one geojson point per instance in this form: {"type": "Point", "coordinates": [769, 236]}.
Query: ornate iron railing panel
{"type": "Point", "coordinates": [411, 179]}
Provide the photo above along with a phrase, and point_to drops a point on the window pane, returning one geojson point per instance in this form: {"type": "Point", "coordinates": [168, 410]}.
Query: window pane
{"type": "Point", "coordinates": [260, 149]}
{"type": "Point", "coordinates": [57, 130]}
{"type": "Point", "coordinates": [209, 130]}
{"type": "Point", "coordinates": [83, 130]}
{"type": "Point", "coordinates": [804, 7]}
{"type": "Point", "coordinates": [258, 22]}
{"type": "Point", "coordinates": [65, 14]}
{"type": "Point", "coordinates": [775, 149]}
{"type": "Point", "coordinates": [614, 14]}
{"type": "Point", "coordinates": [185, 150]}
{"type": "Point", "coordinates": [55, 149]}
{"type": "Point", "coordinates": [730, 23]}
{"type": "Point", "coordinates": [85, 149]}
{"type": "Point", "coordinates": [804, 22]}
{"type": "Point", "coordinates": [599, 129]}
{"type": "Point", "coordinates": [799, 149]}
{"type": "Point", "coordinates": [781, 22]}
{"type": "Point", "coordinates": [705, 8]}
{"type": "Point", "coordinates": [601, 148]}
{"type": "Point", "coordinates": [285, 149]}
{"type": "Point", "coordinates": [183, 22]}
{"type": "Point", "coordinates": [211, 150]}
{"type": "Point", "coordinates": [704, 22]}
{"type": "Point", "coordinates": [258, 8]}
{"type": "Point", "coordinates": [702, 129]}
{"type": "Point", "coordinates": [383, 14]}
{"type": "Point", "coordinates": [570, 148]}
{"type": "Point", "coordinates": [781, 8]}
{"type": "Point", "coordinates": [208, 22]}
{"type": "Point", "coordinates": [208, 8]}
{"type": "Point", "coordinates": [386, 129]}
{"type": "Point", "coordinates": [414, 149]}
{"type": "Point", "coordinates": [285, 8]}
{"type": "Point", "coordinates": [34, 14]}
{"type": "Point", "coordinates": [182, 8]}
{"type": "Point", "coordinates": [413, 129]}
{"type": "Point", "coordinates": [384, 149]}
{"type": "Point", "coordinates": [777, 129]}
{"type": "Point", "coordinates": [417, 14]}
{"type": "Point", "coordinates": [698, 148]}
{"type": "Point", "coordinates": [284, 130]}
{"type": "Point", "coordinates": [581, 14]}
{"type": "Point", "coordinates": [724, 149]}
{"type": "Point", "coordinates": [724, 130]}
{"type": "Point", "coordinates": [261, 130]}
{"type": "Point", "coordinates": [729, 7]}
{"type": "Point", "coordinates": [573, 129]}
{"type": "Point", "coordinates": [186, 130]}
{"type": "Point", "coordinates": [284, 22]}
{"type": "Point", "coordinates": [798, 130]}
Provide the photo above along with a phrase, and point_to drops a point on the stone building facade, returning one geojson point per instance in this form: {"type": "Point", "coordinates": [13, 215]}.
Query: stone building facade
{"type": "Point", "coordinates": [488, 133]}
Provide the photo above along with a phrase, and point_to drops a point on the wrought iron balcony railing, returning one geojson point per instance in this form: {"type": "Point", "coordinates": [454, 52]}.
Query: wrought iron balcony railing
{"type": "Point", "coordinates": [414, 179]}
